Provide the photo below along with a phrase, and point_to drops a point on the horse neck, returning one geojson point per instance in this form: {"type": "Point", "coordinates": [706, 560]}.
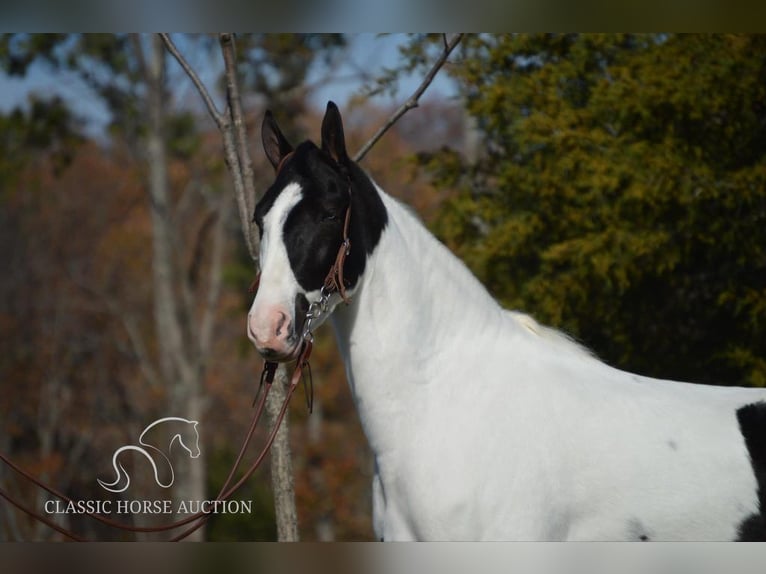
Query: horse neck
{"type": "Point", "coordinates": [415, 306]}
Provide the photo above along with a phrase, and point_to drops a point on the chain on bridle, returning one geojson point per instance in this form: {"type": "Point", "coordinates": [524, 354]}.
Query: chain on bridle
{"type": "Point", "coordinates": [333, 283]}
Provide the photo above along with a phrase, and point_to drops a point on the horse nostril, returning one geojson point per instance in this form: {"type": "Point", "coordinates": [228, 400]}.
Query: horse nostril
{"type": "Point", "coordinates": [281, 323]}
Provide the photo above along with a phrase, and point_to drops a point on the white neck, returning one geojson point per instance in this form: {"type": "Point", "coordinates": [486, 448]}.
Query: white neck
{"type": "Point", "coordinates": [409, 313]}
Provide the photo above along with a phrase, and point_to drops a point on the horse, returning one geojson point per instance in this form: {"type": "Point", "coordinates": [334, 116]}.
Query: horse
{"type": "Point", "coordinates": [484, 424]}
{"type": "Point", "coordinates": [182, 430]}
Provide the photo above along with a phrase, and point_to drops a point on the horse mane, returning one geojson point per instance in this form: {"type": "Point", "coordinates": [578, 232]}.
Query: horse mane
{"type": "Point", "coordinates": [523, 322]}
{"type": "Point", "coordinates": [550, 335]}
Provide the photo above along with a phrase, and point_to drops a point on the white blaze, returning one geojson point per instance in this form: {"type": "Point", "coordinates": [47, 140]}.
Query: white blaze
{"type": "Point", "coordinates": [278, 286]}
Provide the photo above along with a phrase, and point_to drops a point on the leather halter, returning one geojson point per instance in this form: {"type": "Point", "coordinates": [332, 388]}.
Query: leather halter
{"type": "Point", "coordinates": [333, 283]}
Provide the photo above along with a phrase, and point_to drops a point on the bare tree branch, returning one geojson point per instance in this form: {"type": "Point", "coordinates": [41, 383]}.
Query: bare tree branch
{"type": "Point", "coordinates": [245, 215]}
{"type": "Point", "coordinates": [228, 48]}
{"type": "Point", "coordinates": [412, 101]}
{"type": "Point", "coordinates": [235, 149]}
{"type": "Point", "coordinates": [234, 136]}
{"type": "Point", "coordinates": [139, 348]}
{"type": "Point", "coordinates": [218, 117]}
{"type": "Point", "coordinates": [215, 279]}
{"type": "Point", "coordinates": [111, 304]}
{"type": "Point", "coordinates": [232, 155]}
{"type": "Point", "coordinates": [234, 140]}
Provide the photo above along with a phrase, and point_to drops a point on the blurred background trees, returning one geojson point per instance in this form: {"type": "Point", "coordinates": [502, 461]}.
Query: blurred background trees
{"type": "Point", "coordinates": [620, 194]}
{"type": "Point", "coordinates": [610, 185]}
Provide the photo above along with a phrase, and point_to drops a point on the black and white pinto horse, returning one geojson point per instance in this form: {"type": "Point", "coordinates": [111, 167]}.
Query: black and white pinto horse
{"type": "Point", "coordinates": [484, 424]}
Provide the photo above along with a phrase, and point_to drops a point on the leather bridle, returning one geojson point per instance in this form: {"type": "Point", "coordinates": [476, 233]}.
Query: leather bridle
{"type": "Point", "coordinates": [333, 283]}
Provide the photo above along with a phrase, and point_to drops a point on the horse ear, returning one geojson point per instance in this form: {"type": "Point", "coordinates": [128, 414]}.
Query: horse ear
{"type": "Point", "coordinates": [275, 144]}
{"type": "Point", "coordinates": [333, 140]}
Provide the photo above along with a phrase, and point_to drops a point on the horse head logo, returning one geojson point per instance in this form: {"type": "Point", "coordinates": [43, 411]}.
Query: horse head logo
{"type": "Point", "coordinates": [182, 430]}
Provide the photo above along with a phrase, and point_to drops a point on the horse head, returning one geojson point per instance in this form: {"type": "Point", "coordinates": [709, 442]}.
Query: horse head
{"type": "Point", "coordinates": [303, 220]}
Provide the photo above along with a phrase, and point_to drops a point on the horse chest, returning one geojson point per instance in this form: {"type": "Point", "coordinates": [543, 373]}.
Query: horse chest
{"type": "Point", "coordinates": [451, 467]}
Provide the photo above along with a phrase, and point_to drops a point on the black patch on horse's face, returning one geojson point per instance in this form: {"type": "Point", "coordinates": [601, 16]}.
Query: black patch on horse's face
{"type": "Point", "coordinates": [752, 425]}
{"type": "Point", "coordinates": [313, 231]}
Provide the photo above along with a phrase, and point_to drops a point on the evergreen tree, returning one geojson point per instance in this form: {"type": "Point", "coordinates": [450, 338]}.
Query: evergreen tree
{"type": "Point", "coordinates": [621, 194]}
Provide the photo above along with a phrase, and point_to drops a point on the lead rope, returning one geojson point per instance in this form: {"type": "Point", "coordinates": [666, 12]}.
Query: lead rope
{"type": "Point", "coordinates": [202, 517]}
{"type": "Point", "coordinates": [334, 283]}
{"type": "Point", "coordinates": [267, 379]}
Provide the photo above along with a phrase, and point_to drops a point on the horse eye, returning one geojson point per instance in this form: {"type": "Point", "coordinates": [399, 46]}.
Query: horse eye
{"type": "Point", "coordinates": [330, 217]}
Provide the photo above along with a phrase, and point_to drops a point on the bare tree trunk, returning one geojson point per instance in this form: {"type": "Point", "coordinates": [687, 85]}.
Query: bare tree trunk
{"type": "Point", "coordinates": [166, 312]}
{"type": "Point", "coordinates": [324, 526]}
{"type": "Point", "coordinates": [232, 126]}
{"type": "Point", "coordinates": [282, 483]}
{"type": "Point", "coordinates": [176, 342]}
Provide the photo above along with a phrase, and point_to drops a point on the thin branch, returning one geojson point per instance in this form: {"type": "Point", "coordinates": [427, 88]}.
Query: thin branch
{"type": "Point", "coordinates": [282, 477]}
{"type": "Point", "coordinates": [112, 306]}
{"type": "Point", "coordinates": [412, 101]}
{"type": "Point", "coordinates": [139, 350]}
{"type": "Point", "coordinates": [238, 158]}
{"type": "Point", "coordinates": [234, 136]}
{"type": "Point", "coordinates": [232, 163]}
{"type": "Point", "coordinates": [215, 279]}
{"type": "Point", "coordinates": [218, 117]}
{"type": "Point", "coordinates": [228, 47]}
{"type": "Point", "coordinates": [234, 144]}
{"type": "Point", "coordinates": [224, 122]}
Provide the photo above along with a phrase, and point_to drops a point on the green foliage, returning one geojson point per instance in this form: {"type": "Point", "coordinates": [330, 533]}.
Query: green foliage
{"type": "Point", "coordinates": [260, 525]}
{"type": "Point", "coordinates": [19, 51]}
{"type": "Point", "coordinates": [414, 55]}
{"type": "Point", "coordinates": [621, 194]}
{"type": "Point", "coordinates": [43, 127]}
{"type": "Point", "coordinates": [113, 67]}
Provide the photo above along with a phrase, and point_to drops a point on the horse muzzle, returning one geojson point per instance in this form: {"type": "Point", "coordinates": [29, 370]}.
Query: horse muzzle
{"type": "Point", "coordinates": [274, 335]}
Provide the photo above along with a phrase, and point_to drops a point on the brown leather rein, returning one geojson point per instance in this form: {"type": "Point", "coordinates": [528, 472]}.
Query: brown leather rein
{"type": "Point", "coordinates": [198, 519]}
{"type": "Point", "coordinates": [333, 283]}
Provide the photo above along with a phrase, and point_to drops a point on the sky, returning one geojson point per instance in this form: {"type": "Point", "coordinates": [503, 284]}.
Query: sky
{"type": "Point", "coordinates": [368, 52]}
